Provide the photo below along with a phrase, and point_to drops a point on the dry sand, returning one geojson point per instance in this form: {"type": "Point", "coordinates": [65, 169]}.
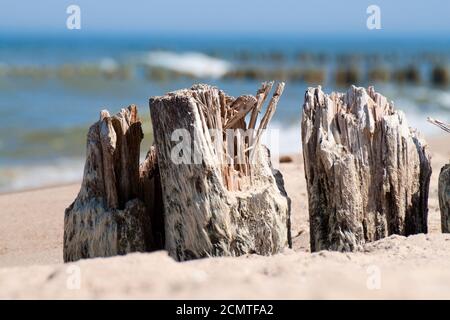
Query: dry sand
{"type": "Point", "coordinates": [31, 266]}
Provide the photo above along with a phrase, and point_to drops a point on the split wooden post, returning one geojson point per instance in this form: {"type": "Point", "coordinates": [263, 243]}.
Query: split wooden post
{"type": "Point", "coordinates": [110, 215]}
{"type": "Point", "coordinates": [367, 172]}
{"type": "Point", "coordinates": [219, 198]}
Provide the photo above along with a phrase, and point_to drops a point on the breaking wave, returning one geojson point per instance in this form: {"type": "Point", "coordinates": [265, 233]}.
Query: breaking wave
{"type": "Point", "coordinates": [192, 63]}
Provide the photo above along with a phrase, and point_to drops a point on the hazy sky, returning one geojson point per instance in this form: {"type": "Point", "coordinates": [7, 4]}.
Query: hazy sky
{"type": "Point", "coordinates": [235, 16]}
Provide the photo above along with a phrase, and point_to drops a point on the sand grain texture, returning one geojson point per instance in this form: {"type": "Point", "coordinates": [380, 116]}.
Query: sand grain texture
{"type": "Point", "coordinates": [31, 266]}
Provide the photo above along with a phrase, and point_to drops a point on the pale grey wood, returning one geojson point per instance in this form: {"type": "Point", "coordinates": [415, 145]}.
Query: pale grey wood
{"type": "Point", "coordinates": [367, 172]}
{"type": "Point", "coordinates": [213, 208]}
{"type": "Point", "coordinates": [107, 217]}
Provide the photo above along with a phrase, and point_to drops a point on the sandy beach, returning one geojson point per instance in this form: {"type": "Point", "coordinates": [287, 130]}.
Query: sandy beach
{"type": "Point", "coordinates": [31, 264]}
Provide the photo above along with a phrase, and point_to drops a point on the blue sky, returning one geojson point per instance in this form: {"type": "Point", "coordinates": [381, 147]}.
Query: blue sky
{"type": "Point", "coordinates": [230, 16]}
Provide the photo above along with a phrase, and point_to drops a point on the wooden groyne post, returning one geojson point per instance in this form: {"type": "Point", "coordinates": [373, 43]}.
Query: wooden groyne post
{"type": "Point", "coordinates": [367, 172]}
{"type": "Point", "coordinates": [221, 195]}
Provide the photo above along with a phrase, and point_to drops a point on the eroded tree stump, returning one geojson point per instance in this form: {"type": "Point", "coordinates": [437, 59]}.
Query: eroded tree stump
{"type": "Point", "coordinates": [111, 214]}
{"type": "Point", "coordinates": [214, 204]}
{"type": "Point", "coordinates": [444, 197]}
{"type": "Point", "coordinates": [367, 172]}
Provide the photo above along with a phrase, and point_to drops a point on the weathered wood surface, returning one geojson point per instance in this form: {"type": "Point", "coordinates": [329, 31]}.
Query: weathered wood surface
{"type": "Point", "coordinates": [444, 184]}
{"type": "Point", "coordinates": [215, 205]}
{"type": "Point", "coordinates": [367, 172]}
{"type": "Point", "coordinates": [151, 194]}
{"type": "Point", "coordinates": [108, 217]}
{"type": "Point", "coordinates": [444, 197]}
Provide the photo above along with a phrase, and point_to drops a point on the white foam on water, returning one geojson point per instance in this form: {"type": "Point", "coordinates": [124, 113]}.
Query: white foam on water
{"type": "Point", "coordinates": [108, 65]}
{"type": "Point", "coordinates": [289, 140]}
{"type": "Point", "coordinates": [21, 177]}
{"type": "Point", "coordinates": [419, 121]}
{"type": "Point", "coordinates": [417, 118]}
{"type": "Point", "coordinates": [194, 63]}
{"type": "Point", "coordinates": [55, 172]}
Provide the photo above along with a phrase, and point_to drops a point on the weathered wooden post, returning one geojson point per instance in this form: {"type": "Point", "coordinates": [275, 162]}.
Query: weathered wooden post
{"type": "Point", "coordinates": [367, 172]}
{"type": "Point", "coordinates": [444, 184]}
{"type": "Point", "coordinates": [111, 214]}
{"type": "Point", "coordinates": [444, 197]}
{"type": "Point", "coordinates": [221, 195]}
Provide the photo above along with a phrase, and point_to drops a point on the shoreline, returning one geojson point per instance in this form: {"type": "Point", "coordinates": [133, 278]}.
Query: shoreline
{"type": "Point", "coordinates": [44, 187]}
{"type": "Point", "coordinates": [434, 141]}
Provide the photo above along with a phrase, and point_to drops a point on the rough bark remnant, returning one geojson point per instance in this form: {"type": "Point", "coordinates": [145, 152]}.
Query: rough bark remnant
{"type": "Point", "coordinates": [444, 197]}
{"type": "Point", "coordinates": [367, 172]}
{"type": "Point", "coordinates": [221, 195]}
{"type": "Point", "coordinates": [109, 217]}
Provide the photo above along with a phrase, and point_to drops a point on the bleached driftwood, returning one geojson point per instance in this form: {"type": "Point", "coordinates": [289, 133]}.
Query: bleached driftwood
{"type": "Point", "coordinates": [444, 184]}
{"type": "Point", "coordinates": [367, 172]}
{"type": "Point", "coordinates": [214, 204]}
{"type": "Point", "coordinates": [109, 215]}
{"type": "Point", "coordinates": [444, 197]}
